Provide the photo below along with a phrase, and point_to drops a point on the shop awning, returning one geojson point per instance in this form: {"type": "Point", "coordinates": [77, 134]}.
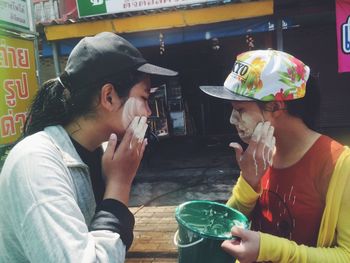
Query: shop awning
{"type": "Point", "coordinates": [185, 34]}
{"type": "Point", "coordinates": [161, 21]}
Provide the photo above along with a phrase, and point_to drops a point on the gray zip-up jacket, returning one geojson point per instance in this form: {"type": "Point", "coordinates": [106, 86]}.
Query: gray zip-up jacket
{"type": "Point", "coordinates": [47, 206]}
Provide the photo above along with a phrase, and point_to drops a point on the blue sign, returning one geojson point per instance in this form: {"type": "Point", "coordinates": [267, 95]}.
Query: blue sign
{"type": "Point", "coordinates": [345, 35]}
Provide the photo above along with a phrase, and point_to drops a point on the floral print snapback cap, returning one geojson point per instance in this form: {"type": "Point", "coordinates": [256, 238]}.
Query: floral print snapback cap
{"type": "Point", "coordinates": [264, 75]}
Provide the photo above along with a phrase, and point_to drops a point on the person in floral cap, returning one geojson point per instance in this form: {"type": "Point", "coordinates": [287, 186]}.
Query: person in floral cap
{"type": "Point", "coordinates": [294, 183]}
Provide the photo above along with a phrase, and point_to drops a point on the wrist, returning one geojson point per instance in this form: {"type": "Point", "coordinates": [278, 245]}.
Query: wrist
{"type": "Point", "coordinates": [117, 190]}
{"type": "Point", "coordinates": [256, 185]}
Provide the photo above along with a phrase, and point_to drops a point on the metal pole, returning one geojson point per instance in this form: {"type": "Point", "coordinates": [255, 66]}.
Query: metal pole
{"type": "Point", "coordinates": [37, 61]}
{"type": "Point", "coordinates": [36, 42]}
{"type": "Point", "coordinates": [279, 34]}
{"type": "Point", "coordinates": [56, 59]}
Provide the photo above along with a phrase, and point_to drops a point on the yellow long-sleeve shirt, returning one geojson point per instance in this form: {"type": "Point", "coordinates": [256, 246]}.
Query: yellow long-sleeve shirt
{"type": "Point", "coordinates": [333, 244]}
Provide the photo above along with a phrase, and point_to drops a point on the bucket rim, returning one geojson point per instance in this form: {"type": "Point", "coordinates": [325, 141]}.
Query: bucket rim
{"type": "Point", "coordinates": [185, 224]}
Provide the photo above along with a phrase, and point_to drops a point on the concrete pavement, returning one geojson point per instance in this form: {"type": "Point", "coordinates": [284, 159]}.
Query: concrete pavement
{"type": "Point", "coordinates": [182, 169]}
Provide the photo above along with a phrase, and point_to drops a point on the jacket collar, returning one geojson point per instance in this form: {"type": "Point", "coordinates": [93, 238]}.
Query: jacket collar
{"type": "Point", "coordinates": [64, 144]}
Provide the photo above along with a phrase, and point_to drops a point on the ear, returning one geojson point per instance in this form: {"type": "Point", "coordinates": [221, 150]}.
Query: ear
{"type": "Point", "coordinates": [109, 97]}
{"type": "Point", "coordinates": [276, 107]}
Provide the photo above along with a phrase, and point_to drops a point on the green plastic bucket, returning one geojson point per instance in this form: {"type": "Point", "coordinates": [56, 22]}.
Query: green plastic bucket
{"type": "Point", "coordinates": [203, 226]}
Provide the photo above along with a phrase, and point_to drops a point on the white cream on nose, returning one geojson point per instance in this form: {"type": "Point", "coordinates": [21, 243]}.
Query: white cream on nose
{"type": "Point", "coordinates": [235, 117]}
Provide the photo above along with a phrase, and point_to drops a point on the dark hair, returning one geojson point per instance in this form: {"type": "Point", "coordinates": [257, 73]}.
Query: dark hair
{"type": "Point", "coordinates": [60, 102]}
{"type": "Point", "coordinates": [308, 107]}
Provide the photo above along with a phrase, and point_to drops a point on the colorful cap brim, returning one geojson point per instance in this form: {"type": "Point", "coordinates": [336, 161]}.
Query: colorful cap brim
{"type": "Point", "coordinates": [222, 93]}
{"type": "Point", "coordinates": [156, 70]}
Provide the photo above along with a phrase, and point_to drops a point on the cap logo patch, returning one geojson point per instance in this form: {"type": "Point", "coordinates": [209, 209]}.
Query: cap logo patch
{"type": "Point", "coordinates": [240, 69]}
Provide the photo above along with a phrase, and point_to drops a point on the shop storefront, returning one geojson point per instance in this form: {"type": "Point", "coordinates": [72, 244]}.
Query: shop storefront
{"type": "Point", "coordinates": [203, 53]}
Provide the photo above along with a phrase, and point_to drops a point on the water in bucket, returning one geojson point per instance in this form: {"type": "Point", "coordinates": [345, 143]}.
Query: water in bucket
{"type": "Point", "coordinates": [203, 226]}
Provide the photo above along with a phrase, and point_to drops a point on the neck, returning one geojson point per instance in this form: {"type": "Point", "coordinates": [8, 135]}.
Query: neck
{"type": "Point", "coordinates": [86, 133]}
{"type": "Point", "coordinates": [293, 140]}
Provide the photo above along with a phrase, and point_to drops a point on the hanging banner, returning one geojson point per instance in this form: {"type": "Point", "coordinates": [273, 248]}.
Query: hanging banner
{"type": "Point", "coordinates": [18, 86]}
{"type": "Point", "coordinates": [103, 7]}
{"type": "Point", "coordinates": [14, 12]}
{"type": "Point", "coordinates": [343, 34]}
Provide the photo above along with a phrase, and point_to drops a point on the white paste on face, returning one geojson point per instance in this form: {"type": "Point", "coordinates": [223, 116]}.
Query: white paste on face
{"type": "Point", "coordinates": [235, 117]}
{"type": "Point", "coordinates": [245, 124]}
{"type": "Point", "coordinates": [132, 107]}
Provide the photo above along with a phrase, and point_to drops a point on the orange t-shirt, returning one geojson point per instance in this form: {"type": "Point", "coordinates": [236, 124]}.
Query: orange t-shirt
{"type": "Point", "coordinates": [293, 198]}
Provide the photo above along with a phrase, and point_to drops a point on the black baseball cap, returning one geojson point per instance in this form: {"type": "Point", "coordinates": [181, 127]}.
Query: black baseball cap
{"type": "Point", "coordinates": [104, 55]}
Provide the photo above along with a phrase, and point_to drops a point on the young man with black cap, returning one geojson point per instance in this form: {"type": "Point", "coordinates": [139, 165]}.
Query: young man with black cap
{"type": "Point", "coordinates": [63, 199]}
{"type": "Point", "coordinates": [294, 182]}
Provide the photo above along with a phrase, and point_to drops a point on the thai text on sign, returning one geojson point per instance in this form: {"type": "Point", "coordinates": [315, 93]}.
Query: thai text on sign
{"type": "Point", "coordinates": [18, 86]}
{"type": "Point", "coordinates": [100, 7]}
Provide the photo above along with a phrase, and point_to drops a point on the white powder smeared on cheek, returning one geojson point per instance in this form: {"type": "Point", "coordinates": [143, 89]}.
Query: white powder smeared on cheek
{"type": "Point", "coordinates": [133, 107]}
{"type": "Point", "coordinates": [129, 112]}
{"type": "Point", "coordinates": [247, 125]}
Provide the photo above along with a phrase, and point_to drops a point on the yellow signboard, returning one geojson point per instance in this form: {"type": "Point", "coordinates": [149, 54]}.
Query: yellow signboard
{"type": "Point", "coordinates": [18, 85]}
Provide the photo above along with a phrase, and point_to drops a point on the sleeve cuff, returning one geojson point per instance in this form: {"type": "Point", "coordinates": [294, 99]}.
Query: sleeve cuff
{"type": "Point", "coordinates": [114, 216]}
{"type": "Point", "coordinates": [245, 192]}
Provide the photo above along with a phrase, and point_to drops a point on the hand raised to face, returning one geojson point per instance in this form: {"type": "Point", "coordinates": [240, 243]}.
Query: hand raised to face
{"type": "Point", "coordinates": [120, 163]}
{"type": "Point", "coordinates": [255, 160]}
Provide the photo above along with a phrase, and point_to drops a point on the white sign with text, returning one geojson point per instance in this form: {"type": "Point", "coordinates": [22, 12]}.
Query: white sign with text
{"type": "Point", "coordinates": [100, 7]}
{"type": "Point", "coordinates": [14, 12]}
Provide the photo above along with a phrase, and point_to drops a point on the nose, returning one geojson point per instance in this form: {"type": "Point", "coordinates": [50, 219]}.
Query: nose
{"type": "Point", "coordinates": [235, 117]}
